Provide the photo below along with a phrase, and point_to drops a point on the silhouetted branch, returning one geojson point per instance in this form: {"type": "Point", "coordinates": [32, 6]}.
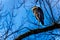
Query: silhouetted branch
{"type": "Point", "coordinates": [56, 3]}
{"type": "Point", "coordinates": [47, 12]}
{"type": "Point", "coordinates": [36, 31]}
{"type": "Point", "coordinates": [50, 7]}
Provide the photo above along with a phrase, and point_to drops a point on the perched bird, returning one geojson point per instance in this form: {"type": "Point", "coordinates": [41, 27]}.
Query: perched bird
{"type": "Point", "coordinates": [38, 14]}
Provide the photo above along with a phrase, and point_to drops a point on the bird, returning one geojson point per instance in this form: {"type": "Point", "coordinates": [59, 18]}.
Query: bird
{"type": "Point", "coordinates": [39, 15]}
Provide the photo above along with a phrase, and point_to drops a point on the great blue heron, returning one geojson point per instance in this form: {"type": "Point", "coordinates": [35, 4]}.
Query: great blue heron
{"type": "Point", "coordinates": [38, 14]}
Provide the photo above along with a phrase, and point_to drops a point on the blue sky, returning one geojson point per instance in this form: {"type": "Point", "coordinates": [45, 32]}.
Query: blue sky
{"type": "Point", "coordinates": [13, 15]}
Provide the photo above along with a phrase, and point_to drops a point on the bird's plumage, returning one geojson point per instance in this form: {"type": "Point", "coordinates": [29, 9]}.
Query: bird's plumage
{"type": "Point", "coordinates": [38, 14]}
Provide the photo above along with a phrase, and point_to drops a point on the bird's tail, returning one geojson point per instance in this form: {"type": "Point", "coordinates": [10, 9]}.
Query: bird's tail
{"type": "Point", "coordinates": [42, 22]}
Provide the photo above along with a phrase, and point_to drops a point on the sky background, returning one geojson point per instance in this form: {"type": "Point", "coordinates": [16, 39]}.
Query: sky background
{"type": "Point", "coordinates": [18, 15]}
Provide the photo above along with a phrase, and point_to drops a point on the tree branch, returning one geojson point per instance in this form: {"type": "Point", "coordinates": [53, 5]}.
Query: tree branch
{"type": "Point", "coordinates": [36, 31]}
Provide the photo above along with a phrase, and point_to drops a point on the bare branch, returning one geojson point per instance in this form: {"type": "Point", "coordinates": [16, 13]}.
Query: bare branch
{"type": "Point", "coordinates": [36, 31]}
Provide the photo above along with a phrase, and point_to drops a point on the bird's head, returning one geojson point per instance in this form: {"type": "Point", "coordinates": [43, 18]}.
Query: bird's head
{"type": "Point", "coordinates": [34, 9]}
